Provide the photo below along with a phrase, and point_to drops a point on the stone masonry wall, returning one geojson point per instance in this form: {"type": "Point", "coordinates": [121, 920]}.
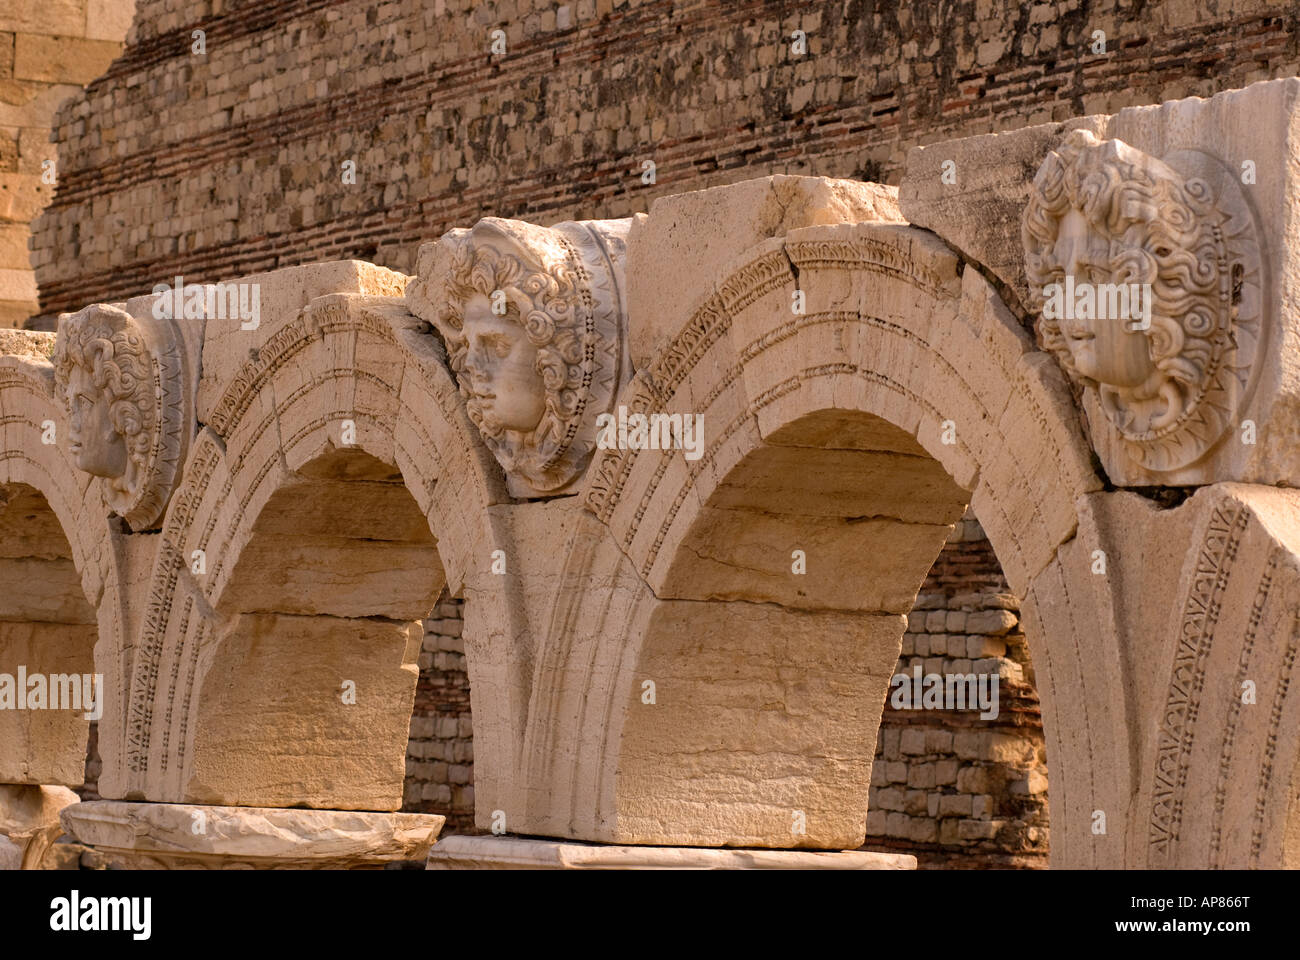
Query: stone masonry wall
{"type": "Point", "coordinates": [440, 754]}
{"type": "Point", "coordinates": [217, 164]}
{"type": "Point", "coordinates": [949, 787]}
{"type": "Point", "coordinates": [48, 50]}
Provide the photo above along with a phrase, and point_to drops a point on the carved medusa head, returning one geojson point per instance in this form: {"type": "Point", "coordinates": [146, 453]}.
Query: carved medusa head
{"type": "Point", "coordinates": [121, 380]}
{"type": "Point", "coordinates": [534, 325]}
{"type": "Point", "coordinates": [105, 374]}
{"type": "Point", "coordinates": [530, 339]}
{"type": "Point", "coordinates": [1103, 212]}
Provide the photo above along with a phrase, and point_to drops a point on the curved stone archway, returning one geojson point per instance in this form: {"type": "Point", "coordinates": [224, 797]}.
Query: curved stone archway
{"type": "Point", "coordinates": [46, 631]}
{"type": "Point", "coordinates": [899, 351]}
{"type": "Point", "coordinates": [58, 547]}
{"type": "Point", "coordinates": [60, 576]}
{"type": "Point", "coordinates": [329, 491]}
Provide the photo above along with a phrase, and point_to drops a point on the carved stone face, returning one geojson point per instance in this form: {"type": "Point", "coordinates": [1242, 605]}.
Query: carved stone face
{"type": "Point", "coordinates": [536, 377]}
{"type": "Point", "coordinates": [501, 365]}
{"type": "Point", "coordinates": [120, 380]}
{"type": "Point", "coordinates": [96, 445]}
{"type": "Point", "coordinates": [1103, 213]}
{"type": "Point", "coordinates": [1104, 349]}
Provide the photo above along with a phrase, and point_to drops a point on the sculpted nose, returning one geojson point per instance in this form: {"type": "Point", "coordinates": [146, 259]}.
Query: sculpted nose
{"type": "Point", "coordinates": [1069, 255]}
{"type": "Point", "coordinates": [473, 365]}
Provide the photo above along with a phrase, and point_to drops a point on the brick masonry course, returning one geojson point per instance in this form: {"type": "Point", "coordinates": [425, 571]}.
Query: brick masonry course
{"type": "Point", "coordinates": [229, 162]}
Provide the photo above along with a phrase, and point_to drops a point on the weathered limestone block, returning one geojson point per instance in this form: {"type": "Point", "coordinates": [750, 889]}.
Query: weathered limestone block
{"type": "Point", "coordinates": [518, 853]}
{"type": "Point", "coordinates": [29, 821]}
{"type": "Point", "coordinates": [295, 711]}
{"type": "Point", "coordinates": [1193, 199]}
{"type": "Point", "coordinates": [229, 343]}
{"type": "Point", "coordinates": [1184, 624]}
{"type": "Point", "coordinates": [980, 213]}
{"type": "Point", "coordinates": [51, 588]}
{"type": "Point", "coordinates": [534, 320]}
{"type": "Point", "coordinates": [681, 247]}
{"type": "Point", "coordinates": [850, 506]}
{"type": "Point", "coordinates": [336, 540]}
{"type": "Point", "coordinates": [174, 836]}
{"type": "Point", "coordinates": [541, 662]}
{"type": "Point", "coordinates": [734, 706]}
{"type": "Point", "coordinates": [44, 742]}
{"type": "Point", "coordinates": [26, 343]}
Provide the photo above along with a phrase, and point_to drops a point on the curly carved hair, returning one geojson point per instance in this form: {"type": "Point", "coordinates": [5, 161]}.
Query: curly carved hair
{"type": "Point", "coordinates": [541, 292]}
{"type": "Point", "coordinates": [1160, 233]}
{"type": "Point", "coordinates": [107, 343]}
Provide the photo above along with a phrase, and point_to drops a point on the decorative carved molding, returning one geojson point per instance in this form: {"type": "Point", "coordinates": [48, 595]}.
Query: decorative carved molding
{"type": "Point", "coordinates": [210, 510]}
{"type": "Point", "coordinates": [121, 381]}
{"type": "Point", "coordinates": [1201, 611]}
{"type": "Point", "coordinates": [655, 385]}
{"type": "Point", "coordinates": [535, 327]}
{"type": "Point", "coordinates": [1103, 212]}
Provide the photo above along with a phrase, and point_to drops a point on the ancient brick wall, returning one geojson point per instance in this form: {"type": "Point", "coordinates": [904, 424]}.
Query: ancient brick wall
{"type": "Point", "coordinates": [48, 50]}
{"type": "Point", "coordinates": [950, 787]}
{"type": "Point", "coordinates": [222, 163]}
{"type": "Point", "coordinates": [440, 754]}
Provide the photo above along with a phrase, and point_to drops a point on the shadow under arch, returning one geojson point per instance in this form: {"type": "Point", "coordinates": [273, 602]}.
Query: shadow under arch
{"type": "Point", "coordinates": [58, 574]}
{"type": "Point", "coordinates": [778, 628]}
{"type": "Point", "coordinates": [47, 639]}
{"type": "Point", "coordinates": [305, 691]}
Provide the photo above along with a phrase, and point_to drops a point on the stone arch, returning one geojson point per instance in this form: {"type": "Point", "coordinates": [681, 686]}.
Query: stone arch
{"type": "Point", "coordinates": [347, 402]}
{"type": "Point", "coordinates": [56, 564]}
{"type": "Point", "coordinates": [898, 337]}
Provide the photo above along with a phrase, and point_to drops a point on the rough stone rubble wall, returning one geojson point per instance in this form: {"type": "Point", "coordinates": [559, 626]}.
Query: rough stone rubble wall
{"type": "Point", "coordinates": [217, 165]}
{"type": "Point", "coordinates": [949, 787]}
{"type": "Point", "coordinates": [48, 50]}
{"type": "Point", "coordinates": [440, 755]}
